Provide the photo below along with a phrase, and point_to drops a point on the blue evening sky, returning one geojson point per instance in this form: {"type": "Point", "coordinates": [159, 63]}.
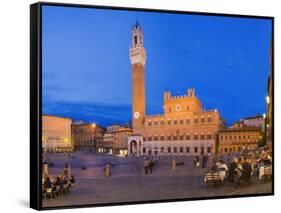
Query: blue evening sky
{"type": "Point", "coordinates": [87, 71]}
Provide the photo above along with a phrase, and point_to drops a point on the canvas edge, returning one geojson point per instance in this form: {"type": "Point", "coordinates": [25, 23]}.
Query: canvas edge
{"type": "Point", "coordinates": [36, 104]}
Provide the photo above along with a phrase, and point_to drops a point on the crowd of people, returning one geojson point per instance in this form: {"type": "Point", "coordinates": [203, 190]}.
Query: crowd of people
{"type": "Point", "coordinates": [57, 186]}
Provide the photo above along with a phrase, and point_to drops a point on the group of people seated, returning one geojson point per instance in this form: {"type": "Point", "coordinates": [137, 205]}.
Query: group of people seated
{"type": "Point", "coordinates": [263, 162]}
{"type": "Point", "coordinates": [58, 186]}
{"type": "Point", "coordinates": [240, 170]}
{"type": "Point", "coordinates": [237, 171]}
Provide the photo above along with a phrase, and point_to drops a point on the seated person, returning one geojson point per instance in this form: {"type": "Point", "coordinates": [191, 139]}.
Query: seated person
{"type": "Point", "coordinates": [64, 183]}
{"type": "Point", "coordinates": [47, 183]}
{"type": "Point", "coordinates": [214, 167]}
{"type": "Point", "coordinates": [247, 171]}
{"type": "Point", "coordinates": [222, 166]}
{"type": "Point", "coordinates": [58, 181]}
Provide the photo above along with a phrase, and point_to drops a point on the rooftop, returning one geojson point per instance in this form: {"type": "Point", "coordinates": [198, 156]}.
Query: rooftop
{"type": "Point", "coordinates": [246, 128]}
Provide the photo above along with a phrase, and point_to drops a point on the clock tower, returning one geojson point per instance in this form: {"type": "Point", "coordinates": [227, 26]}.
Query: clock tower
{"type": "Point", "coordinates": [138, 58]}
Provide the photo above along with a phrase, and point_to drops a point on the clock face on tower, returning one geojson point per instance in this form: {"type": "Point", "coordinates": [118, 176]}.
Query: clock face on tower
{"type": "Point", "coordinates": [136, 115]}
{"type": "Point", "coordinates": [178, 107]}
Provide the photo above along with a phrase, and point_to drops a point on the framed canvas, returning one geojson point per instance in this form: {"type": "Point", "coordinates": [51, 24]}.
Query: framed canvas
{"type": "Point", "coordinates": [132, 106]}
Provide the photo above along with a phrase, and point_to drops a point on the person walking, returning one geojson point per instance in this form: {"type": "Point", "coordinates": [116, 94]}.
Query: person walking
{"type": "Point", "coordinates": [146, 165]}
{"type": "Point", "coordinates": [197, 162]}
{"type": "Point", "coordinates": [150, 166]}
{"type": "Point", "coordinates": [204, 161]}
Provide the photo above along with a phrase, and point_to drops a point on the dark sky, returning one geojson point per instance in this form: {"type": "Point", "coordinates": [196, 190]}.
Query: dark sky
{"type": "Point", "coordinates": [87, 71]}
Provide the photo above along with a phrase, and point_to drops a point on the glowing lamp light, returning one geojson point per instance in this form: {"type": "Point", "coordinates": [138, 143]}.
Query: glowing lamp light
{"type": "Point", "coordinates": [264, 115]}
{"type": "Point", "coordinates": [267, 99]}
{"type": "Point", "coordinates": [94, 125]}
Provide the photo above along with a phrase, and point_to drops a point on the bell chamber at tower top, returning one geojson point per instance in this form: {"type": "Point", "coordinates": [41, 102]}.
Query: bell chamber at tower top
{"type": "Point", "coordinates": [137, 51]}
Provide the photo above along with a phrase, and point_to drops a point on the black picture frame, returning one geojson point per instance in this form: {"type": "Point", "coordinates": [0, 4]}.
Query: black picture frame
{"type": "Point", "coordinates": [36, 102]}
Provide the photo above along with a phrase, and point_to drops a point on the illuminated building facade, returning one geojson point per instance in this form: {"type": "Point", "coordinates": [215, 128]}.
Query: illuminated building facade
{"type": "Point", "coordinates": [256, 121]}
{"type": "Point", "coordinates": [115, 140]}
{"type": "Point", "coordinates": [184, 128]}
{"type": "Point", "coordinates": [86, 136]}
{"type": "Point", "coordinates": [238, 138]}
{"type": "Point", "coordinates": [56, 134]}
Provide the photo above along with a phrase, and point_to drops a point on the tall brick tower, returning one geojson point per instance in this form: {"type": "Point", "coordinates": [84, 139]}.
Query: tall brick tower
{"type": "Point", "coordinates": [138, 58]}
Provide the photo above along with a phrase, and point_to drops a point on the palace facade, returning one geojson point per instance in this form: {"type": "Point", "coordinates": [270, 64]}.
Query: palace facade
{"type": "Point", "coordinates": [184, 128]}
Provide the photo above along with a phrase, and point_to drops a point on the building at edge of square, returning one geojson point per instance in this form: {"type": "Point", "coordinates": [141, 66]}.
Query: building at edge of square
{"type": "Point", "coordinates": [56, 134]}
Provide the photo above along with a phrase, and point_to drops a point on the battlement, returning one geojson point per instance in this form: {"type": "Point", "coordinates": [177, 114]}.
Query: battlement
{"type": "Point", "coordinates": [210, 110]}
{"type": "Point", "coordinates": [155, 116]}
{"type": "Point", "coordinates": [190, 93]}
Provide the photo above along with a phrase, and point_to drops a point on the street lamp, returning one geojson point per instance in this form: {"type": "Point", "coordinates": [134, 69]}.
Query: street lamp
{"type": "Point", "coordinates": [94, 125]}
{"type": "Point", "coordinates": [264, 115]}
{"type": "Point", "coordinates": [267, 99]}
